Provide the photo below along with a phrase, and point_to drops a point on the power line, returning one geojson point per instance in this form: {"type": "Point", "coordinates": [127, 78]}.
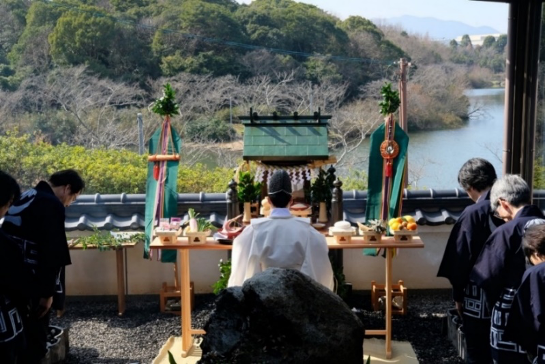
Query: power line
{"type": "Point", "coordinates": [222, 41]}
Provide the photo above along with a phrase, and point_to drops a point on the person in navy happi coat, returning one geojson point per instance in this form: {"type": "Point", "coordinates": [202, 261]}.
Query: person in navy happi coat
{"type": "Point", "coordinates": [38, 217]}
{"type": "Point", "coordinates": [501, 264]}
{"type": "Point", "coordinates": [526, 323]}
{"type": "Point", "coordinates": [464, 245]}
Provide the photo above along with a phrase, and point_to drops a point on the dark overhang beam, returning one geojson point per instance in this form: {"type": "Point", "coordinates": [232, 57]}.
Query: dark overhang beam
{"type": "Point", "coordinates": [521, 79]}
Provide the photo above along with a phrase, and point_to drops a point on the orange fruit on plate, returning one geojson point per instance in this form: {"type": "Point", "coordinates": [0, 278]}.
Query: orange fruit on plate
{"type": "Point", "coordinates": [412, 226]}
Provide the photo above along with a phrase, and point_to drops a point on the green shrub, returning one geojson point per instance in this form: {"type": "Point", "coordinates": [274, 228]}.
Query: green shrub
{"type": "Point", "coordinates": [213, 130]}
{"type": "Point", "coordinates": [356, 180]}
{"type": "Point", "coordinates": [104, 171]}
{"type": "Point", "coordinates": [225, 273]}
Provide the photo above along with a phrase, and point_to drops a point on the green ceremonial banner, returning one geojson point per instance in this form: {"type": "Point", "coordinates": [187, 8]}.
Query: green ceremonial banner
{"type": "Point", "coordinates": [376, 176]}
{"type": "Point", "coordinates": [170, 208]}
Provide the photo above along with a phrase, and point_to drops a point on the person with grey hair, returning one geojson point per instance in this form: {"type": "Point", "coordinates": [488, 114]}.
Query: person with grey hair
{"type": "Point", "coordinates": [466, 240]}
{"type": "Point", "coordinates": [501, 264]}
{"type": "Point", "coordinates": [280, 241]}
{"type": "Point", "coordinates": [526, 323]}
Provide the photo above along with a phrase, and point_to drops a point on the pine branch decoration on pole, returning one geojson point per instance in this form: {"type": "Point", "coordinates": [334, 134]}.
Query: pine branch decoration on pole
{"type": "Point", "coordinates": [161, 188]}
{"type": "Point", "coordinates": [166, 105]}
{"type": "Point", "coordinates": [390, 100]}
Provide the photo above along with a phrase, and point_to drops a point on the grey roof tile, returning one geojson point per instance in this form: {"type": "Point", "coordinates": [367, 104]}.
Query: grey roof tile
{"type": "Point", "coordinates": [126, 212]}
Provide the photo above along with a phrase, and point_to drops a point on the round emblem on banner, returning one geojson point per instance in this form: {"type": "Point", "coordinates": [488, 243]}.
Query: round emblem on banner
{"type": "Point", "coordinates": [389, 149]}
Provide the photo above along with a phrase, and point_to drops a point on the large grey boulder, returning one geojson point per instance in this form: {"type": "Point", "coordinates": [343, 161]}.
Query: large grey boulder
{"type": "Point", "coordinates": [282, 316]}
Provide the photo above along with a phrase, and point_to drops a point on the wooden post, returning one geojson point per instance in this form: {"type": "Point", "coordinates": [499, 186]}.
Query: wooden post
{"type": "Point", "coordinates": [187, 337]}
{"type": "Point", "coordinates": [232, 200]}
{"type": "Point", "coordinates": [176, 282]}
{"type": "Point", "coordinates": [388, 303]}
{"type": "Point", "coordinates": [120, 281]}
{"type": "Point", "coordinates": [337, 215]}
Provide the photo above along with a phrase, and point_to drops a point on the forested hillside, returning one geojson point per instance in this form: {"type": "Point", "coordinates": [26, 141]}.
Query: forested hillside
{"type": "Point", "coordinates": [79, 71]}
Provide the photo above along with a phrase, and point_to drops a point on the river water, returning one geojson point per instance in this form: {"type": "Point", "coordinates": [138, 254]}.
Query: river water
{"type": "Point", "coordinates": [435, 157]}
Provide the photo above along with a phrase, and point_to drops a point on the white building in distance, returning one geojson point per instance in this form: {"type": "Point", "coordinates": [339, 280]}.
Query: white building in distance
{"type": "Point", "coordinates": [477, 40]}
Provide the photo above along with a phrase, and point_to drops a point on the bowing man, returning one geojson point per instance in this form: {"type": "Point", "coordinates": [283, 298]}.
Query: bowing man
{"type": "Point", "coordinates": [38, 216]}
{"type": "Point", "coordinates": [501, 264]}
{"type": "Point", "coordinates": [280, 241]}
{"type": "Point", "coordinates": [13, 287]}
{"type": "Point", "coordinates": [526, 324]}
{"type": "Point", "coordinates": [464, 245]}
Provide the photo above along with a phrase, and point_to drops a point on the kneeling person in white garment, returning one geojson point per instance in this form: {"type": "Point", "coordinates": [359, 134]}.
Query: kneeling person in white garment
{"type": "Point", "coordinates": [280, 241]}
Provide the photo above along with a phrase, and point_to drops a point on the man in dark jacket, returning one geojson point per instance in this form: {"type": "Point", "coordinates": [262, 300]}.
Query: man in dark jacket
{"type": "Point", "coordinates": [501, 264]}
{"type": "Point", "coordinates": [464, 245]}
{"type": "Point", "coordinates": [13, 285]}
{"type": "Point", "coordinates": [39, 217]}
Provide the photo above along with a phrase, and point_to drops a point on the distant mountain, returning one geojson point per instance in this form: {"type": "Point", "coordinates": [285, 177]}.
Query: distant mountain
{"type": "Point", "coordinates": [436, 28]}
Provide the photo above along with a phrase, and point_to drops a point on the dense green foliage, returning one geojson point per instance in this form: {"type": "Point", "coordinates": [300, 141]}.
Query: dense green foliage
{"type": "Point", "coordinates": [112, 55]}
{"type": "Point", "coordinates": [77, 73]}
{"type": "Point", "coordinates": [225, 273]}
{"type": "Point", "coordinates": [539, 173]}
{"type": "Point", "coordinates": [133, 40]}
{"type": "Point", "coordinates": [214, 130]}
{"type": "Point", "coordinates": [105, 240]}
{"type": "Point", "coordinates": [248, 190]}
{"type": "Point", "coordinates": [320, 190]}
{"type": "Point", "coordinates": [355, 180]}
{"type": "Point", "coordinates": [104, 171]}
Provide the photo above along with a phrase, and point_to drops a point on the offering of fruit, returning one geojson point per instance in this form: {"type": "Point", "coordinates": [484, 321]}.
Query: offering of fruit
{"type": "Point", "coordinates": [406, 222]}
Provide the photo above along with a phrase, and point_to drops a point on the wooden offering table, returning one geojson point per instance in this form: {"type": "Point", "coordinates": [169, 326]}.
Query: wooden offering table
{"type": "Point", "coordinates": [390, 245]}
{"type": "Point", "coordinates": [184, 247]}
{"type": "Point", "coordinates": [120, 269]}
{"type": "Point", "coordinates": [357, 243]}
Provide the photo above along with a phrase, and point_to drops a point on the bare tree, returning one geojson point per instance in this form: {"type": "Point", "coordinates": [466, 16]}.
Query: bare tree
{"type": "Point", "coordinates": [423, 49]}
{"type": "Point", "coordinates": [100, 107]}
{"type": "Point", "coordinates": [436, 96]}
{"type": "Point", "coordinates": [418, 169]}
{"type": "Point", "coordinates": [349, 128]}
{"type": "Point", "coordinates": [262, 62]}
{"type": "Point", "coordinates": [198, 94]}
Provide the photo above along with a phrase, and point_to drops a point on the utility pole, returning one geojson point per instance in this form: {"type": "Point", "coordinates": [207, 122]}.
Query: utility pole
{"type": "Point", "coordinates": [140, 134]}
{"type": "Point", "coordinates": [403, 66]}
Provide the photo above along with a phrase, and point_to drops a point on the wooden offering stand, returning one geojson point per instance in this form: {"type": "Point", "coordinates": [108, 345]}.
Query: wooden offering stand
{"type": "Point", "coordinates": [404, 236]}
{"type": "Point", "coordinates": [398, 290]}
{"type": "Point", "coordinates": [174, 291]}
{"type": "Point", "coordinates": [167, 236]}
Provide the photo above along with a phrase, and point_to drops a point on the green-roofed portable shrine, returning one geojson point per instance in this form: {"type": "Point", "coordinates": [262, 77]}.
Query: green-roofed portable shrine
{"type": "Point", "coordinates": [293, 138]}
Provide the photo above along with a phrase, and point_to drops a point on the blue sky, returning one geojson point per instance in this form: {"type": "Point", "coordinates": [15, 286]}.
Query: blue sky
{"type": "Point", "coordinates": [475, 13]}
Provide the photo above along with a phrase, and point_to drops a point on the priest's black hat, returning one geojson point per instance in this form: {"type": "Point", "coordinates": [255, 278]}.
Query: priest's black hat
{"type": "Point", "coordinates": [280, 182]}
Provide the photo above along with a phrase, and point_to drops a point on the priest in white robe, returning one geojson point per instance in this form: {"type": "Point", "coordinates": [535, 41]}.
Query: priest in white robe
{"type": "Point", "coordinates": [280, 241]}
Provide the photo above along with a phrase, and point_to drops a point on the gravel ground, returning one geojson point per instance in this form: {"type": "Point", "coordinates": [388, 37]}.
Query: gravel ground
{"type": "Point", "coordinates": [98, 335]}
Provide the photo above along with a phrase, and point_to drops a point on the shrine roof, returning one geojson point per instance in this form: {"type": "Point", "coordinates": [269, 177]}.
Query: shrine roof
{"type": "Point", "coordinates": [283, 138]}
